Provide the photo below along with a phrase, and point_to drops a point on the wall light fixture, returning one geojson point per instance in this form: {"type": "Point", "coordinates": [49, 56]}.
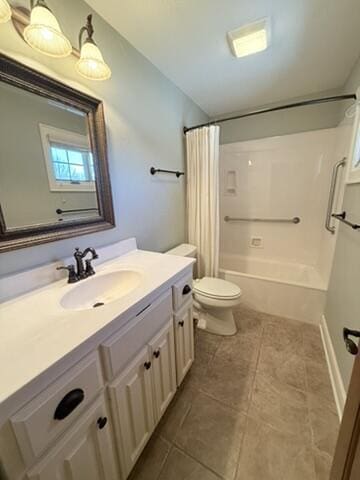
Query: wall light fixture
{"type": "Point", "coordinates": [5, 11]}
{"type": "Point", "coordinates": [91, 64]}
{"type": "Point", "coordinates": [44, 33]}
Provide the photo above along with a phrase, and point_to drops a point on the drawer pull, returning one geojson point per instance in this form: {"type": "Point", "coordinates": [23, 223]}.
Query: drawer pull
{"type": "Point", "coordinates": [69, 403]}
{"type": "Point", "coordinates": [157, 353]}
{"type": "Point", "coordinates": [186, 290]}
{"type": "Point", "coordinates": [147, 365]}
{"type": "Point", "coordinates": [101, 422]}
{"type": "Point", "coordinates": [181, 323]}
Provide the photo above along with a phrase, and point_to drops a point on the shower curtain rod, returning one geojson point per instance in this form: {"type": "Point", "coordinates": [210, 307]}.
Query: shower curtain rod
{"type": "Point", "coordinates": [315, 101]}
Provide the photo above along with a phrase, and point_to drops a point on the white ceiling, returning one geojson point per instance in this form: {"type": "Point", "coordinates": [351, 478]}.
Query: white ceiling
{"type": "Point", "coordinates": [315, 44]}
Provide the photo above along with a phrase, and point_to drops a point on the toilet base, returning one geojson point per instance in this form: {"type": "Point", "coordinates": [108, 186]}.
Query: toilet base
{"type": "Point", "coordinates": [216, 321]}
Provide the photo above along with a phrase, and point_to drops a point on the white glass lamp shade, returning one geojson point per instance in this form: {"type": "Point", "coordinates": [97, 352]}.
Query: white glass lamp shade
{"type": "Point", "coordinates": [91, 64]}
{"type": "Point", "coordinates": [5, 11]}
{"type": "Point", "coordinates": [44, 34]}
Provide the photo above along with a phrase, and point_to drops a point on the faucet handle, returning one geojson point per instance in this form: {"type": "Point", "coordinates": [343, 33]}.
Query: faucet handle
{"type": "Point", "coordinates": [72, 274]}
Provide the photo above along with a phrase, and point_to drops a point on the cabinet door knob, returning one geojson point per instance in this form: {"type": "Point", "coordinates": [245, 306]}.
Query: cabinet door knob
{"type": "Point", "coordinates": [69, 403]}
{"type": "Point", "coordinates": [157, 353]}
{"type": "Point", "coordinates": [181, 323]}
{"type": "Point", "coordinates": [101, 422]}
{"type": "Point", "coordinates": [147, 365]}
{"type": "Point", "coordinates": [186, 289]}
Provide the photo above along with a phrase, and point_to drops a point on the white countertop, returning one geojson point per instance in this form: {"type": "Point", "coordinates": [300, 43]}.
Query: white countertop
{"type": "Point", "coordinates": [36, 331]}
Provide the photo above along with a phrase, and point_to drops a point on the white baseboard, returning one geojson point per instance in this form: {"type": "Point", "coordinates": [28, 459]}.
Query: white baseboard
{"type": "Point", "coordinates": [334, 371]}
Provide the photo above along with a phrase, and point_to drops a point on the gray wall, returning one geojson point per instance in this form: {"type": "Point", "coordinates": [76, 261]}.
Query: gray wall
{"type": "Point", "coordinates": [301, 119]}
{"type": "Point", "coordinates": [343, 299]}
{"type": "Point", "coordinates": [23, 173]}
{"type": "Point", "coordinates": [145, 114]}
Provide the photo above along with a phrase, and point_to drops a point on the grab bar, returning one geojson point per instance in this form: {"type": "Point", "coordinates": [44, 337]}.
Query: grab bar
{"type": "Point", "coordinates": [276, 220]}
{"type": "Point", "coordinates": [334, 177]}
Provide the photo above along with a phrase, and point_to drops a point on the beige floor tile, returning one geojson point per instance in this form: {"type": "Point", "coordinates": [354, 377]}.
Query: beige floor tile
{"type": "Point", "coordinates": [324, 424]}
{"type": "Point", "coordinates": [281, 406]}
{"type": "Point", "coordinates": [323, 464]}
{"type": "Point", "coordinates": [229, 382]}
{"type": "Point", "coordinates": [313, 349]}
{"type": "Point", "coordinates": [240, 350]}
{"type": "Point", "coordinates": [285, 366]}
{"type": "Point", "coordinates": [273, 369]}
{"type": "Point", "coordinates": [283, 335]}
{"type": "Point", "coordinates": [152, 459]}
{"type": "Point", "coordinates": [206, 342]}
{"type": "Point", "coordinates": [176, 412]}
{"type": "Point", "coordinates": [212, 433]}
{"type": "Point", "coordinates": [268, 454]}
{"type": "Point", "coordinates": [180, 466]}
{"type": "Point", "coordinates": [318, 380]}
{"type": "Point", "coordinates": [248, 322]}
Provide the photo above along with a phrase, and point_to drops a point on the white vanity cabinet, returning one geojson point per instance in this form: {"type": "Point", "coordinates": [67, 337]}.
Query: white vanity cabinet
{"type": "Point", "coordinates": [183, 326]}
{"type": "Point", "coordinates": [140, 394]}
{"type": "Point", "coordinates": [115, 393]}
{"type": "Point", "coordinates": [85, 452]}
{"type": "Point", "coordinates": [184, 340]}
{"type": "Point", "coordinates": [131, 397]}
{"type": "Point", "coordinates": [162, 353]}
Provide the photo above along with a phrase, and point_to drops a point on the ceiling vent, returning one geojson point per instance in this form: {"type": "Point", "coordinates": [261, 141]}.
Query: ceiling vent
{"type": "Point", "coordinates": [250, 39]}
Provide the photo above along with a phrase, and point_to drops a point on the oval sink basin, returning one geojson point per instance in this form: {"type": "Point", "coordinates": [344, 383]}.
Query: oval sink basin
{"type": "Point", "coordinates": [101, 290]}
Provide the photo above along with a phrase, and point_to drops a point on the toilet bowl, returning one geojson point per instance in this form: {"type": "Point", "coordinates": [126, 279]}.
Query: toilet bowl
{"type": "Point", "coordinates": [214, 299]}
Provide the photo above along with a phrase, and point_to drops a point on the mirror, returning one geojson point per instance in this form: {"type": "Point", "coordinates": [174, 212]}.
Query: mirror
{"type": "Point", "coordinates": [53, 167]}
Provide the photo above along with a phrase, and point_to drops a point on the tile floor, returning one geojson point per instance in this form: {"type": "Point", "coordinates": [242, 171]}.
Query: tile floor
{"type": "Point", "coordinates": [254, 406]}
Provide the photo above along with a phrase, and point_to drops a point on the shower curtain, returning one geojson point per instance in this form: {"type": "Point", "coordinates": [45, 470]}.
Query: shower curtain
{"type": "Point", "coordinates": [202, 146]}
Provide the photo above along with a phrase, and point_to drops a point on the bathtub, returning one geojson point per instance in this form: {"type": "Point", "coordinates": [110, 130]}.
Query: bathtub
{"type": "Point", "coordinates": [289, 290]}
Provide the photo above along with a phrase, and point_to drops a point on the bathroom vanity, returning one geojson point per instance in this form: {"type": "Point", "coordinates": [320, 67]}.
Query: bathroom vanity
{"type": "Point", "coordinates": [83, 388]}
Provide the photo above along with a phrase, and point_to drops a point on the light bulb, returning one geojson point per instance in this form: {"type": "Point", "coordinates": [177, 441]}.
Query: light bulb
{"type": "Point", "coordinates": [44, 33]}
{"type": "Point", "coordinates": [5, 11]}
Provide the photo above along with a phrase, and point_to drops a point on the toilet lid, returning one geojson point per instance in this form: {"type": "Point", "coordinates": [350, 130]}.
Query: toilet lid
{"type": "Point", "coordinates": [216, 288]}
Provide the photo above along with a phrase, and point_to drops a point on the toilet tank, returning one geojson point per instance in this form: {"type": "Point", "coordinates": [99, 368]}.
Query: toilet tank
{"type": "Point", "coordinates": [183, 250]}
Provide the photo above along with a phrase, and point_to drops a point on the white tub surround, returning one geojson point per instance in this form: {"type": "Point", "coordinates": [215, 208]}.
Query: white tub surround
{"type": "Point", "coordinates": [280, 177]}
{"type": "Point", "coordinates": [140, 342]}
{"type": "Point", "coordinates": [283, 268]}
{"type": "Point", "coordinates": [291, 290]}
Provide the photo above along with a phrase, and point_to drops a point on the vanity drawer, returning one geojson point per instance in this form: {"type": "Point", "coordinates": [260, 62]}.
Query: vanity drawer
{"type": "Point", "coordinates": [35, 425]}
{"type": "Point", "coordinates": [126, 344]}
{"type": "Point", "coordinates": [182, 291]}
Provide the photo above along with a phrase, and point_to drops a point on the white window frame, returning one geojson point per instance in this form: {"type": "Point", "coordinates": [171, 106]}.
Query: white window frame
{"type": "Point", "coordinates": [58, 135]}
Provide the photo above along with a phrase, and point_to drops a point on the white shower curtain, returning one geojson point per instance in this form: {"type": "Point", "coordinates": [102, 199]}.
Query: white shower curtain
{"type": "Point", "coordinates": [202, 145]}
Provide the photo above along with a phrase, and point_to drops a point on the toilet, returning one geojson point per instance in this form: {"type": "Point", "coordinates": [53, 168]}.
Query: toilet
{"type": "Point", "coordinates": [214, 298]}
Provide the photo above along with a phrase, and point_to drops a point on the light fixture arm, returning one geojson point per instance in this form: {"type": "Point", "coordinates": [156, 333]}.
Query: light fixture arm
{"type": "Point", "coordinates": [39, 3]}
{"type": "Point", "coordinates": [89, 29]}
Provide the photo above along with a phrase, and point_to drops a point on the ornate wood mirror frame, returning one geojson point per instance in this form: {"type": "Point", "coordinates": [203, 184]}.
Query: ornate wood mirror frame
{"type": "Point", "coordinates": [19, 75]}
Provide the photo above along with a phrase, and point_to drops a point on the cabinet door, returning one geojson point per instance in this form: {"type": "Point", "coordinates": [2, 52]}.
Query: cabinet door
{"type": "Point", "coordinates": [162, 351]}
{"type": "Point", "coordinates": [184, 341]}
{"type": "Point", "coordinates": [85, 452]}
{"type": "Point", "coordinates": [132, 403]}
